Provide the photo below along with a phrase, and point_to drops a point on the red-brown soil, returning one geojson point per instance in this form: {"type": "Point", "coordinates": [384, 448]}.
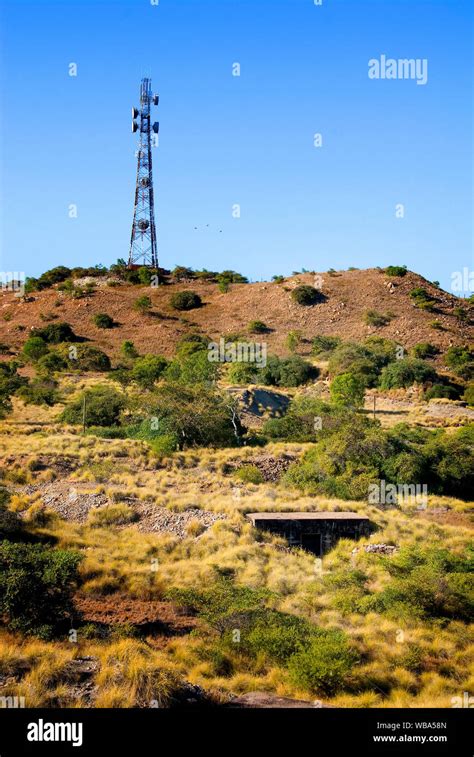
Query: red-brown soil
{"type": "Point", "coordinates": [349, 294]}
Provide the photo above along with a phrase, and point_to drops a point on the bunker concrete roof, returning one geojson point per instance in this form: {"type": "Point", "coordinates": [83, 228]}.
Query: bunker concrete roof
{"type": "Point", "coordinates": [307, 516]}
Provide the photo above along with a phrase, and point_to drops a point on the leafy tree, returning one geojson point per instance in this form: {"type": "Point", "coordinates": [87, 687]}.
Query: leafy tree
{"type": "Point", "coordinates": [308, 419]}
{"type": "Point", "coordinates": [10, 382]}
{"type": "Point", "coordinates": [34, 348]}
{"type": "Point", "coordinates": [193, 368]}
{"type": "Point", "coordinates": [348, 389]}
{"type": "Point", "coordinates": [185, 300]}
{"type": "Point", "coordinates": [193, 416]}
{"type": "Point", "coordinates": [405, 373]}
{"type": "Point", "coordinates": [103, 407]}
{"type": "Point", "coordinates": [148, 369]}
{"type": "Point", "coordinates": [53, 276]}
{"type": "Point", "coordinates": [290, 371]}
{"type": "Point", "coordinates": [190, 343]}
{"type": "Point", "coordinates": [36, 586]}
{"type": "Point", "coordinates": [231, 277]}
{"type": "Point", "coordinates": [39, 391]}
{"type": "Point", "coordinates": [182, 273]}
{"type": "Point", "coordinates": [358, 359]}
{"type": "Point", "coordinates": [461, 361]}
{"type": "Point", "coordinates": [396, 270]}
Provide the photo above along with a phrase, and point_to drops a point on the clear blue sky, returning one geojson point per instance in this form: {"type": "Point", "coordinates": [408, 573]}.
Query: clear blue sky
{"type": "Point", "coordinates": [246, 140]}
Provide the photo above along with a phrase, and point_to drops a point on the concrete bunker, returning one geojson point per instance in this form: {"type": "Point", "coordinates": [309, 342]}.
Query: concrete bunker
{"type": "Point", "coordinates": [317, 532]}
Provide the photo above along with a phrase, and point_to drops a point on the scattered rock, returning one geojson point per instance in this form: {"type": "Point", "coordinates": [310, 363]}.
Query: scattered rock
{"type": "Point", "coordinates": [161, 520]}
{"type": "Point", "coordinates": [266, 700]}
{"type": "Point", "coordinates": [378, 549]}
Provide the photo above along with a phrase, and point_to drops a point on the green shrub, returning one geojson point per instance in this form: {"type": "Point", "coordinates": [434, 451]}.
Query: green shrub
{"type": "Point", "coordinates": [50, 363]}
{"type": "Point", "coordinates": [142, 304]}
{"type": "Point", "coordinates": [405, 373]}
{"type": "Point", "coordinates": [324, 344]}
{"type": "Point", "coordinates": [103, 404]}
{"type": "Point", "coordinates": [190, 343]}
{"type": "Point", "coordinates": [307, 295]}
{"type": "Point", "coordinates": [424, 350]}
{"type": "Point", "coordinates": [461, 361]}
{"type": "Point", "coordinates": [53, 276]}
{"type": "Point", "coordinates": [243, 373]}
{"type": "Point", "coordinates": [148, 369]}
{"type": "Point", "coordinates": [287, 372]}
{"type": "Point", "coordinates": [146, 274]}
{"type": "Point", "coordinates": [193, 368]}
{"type": "Point", "coordinates": [347, 389]}
{"type": "Point", "coordinates": [308, 419]}
{"type": "Point", "coordinates": [257, 327]}
{"type": "Point", "coordinates": [250, 474]}
{"type": "Point", "coordinates": [103, 321]}
{"type": "Point", "coordinates": [278, 279]}
{"type": "Point", "coordinates": [293, 340]}
{"type": "Point", "coordinates": [39, 392]}
{"type": "Point", "coordinates": [429, 582]}
{"type": "Point", "coordinates": [359, 360]}
{"type": "Point", "coordinates": [84, 357]}
{"type": "Point", "coordinates": [55, 333]}
{"type": "Point", "coordinates": [34, 348]}
{"type": "Point", "coordinates": [323, 666]}
{"type": "Point", "coordinates": [468, 395]}
{"type": "Point", "coordinates": [396, 270]}
{"type": "Point", "coordinates": [10, 382]}
{"type": "Point", "coordinates": [36, 586]}
{"type": "Point", "coordinates": [344, 463]}
{"type": "Point", "coordinates": [185, 300]}
{"type": "Point", "coordinates": [422, 299]}
{"type": "Point", "coordinates": [181, 273]}
{"type": "Point", "coordinates": [374, 318]}
{"type": "Point", "coordinates": [441, 391]}
{"type": "Point", "coordinates": [437, 326]}
{"type": "Point", "coordinates": [231, 277]}
{"type": "Point", "coordinates": [461, 314]}
{"type": "Point", "coordinates": [129, 350]}
{"type": "Point", "coordinates": [276, 635]}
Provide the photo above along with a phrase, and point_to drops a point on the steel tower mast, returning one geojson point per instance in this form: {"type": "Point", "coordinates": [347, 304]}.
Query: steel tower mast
{"type": "Point", "coordinates": [143, 239]}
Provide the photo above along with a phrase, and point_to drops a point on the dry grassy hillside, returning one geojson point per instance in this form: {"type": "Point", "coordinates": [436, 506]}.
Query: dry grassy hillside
{"type": "Point", "coordinates": [349, 295]}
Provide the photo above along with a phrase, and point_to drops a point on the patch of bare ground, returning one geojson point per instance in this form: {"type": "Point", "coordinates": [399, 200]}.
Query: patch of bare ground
{"type": "Point", "coordinates": [153, 518]}
{"type": "Point", "coordinates": [271, 468]}
{"type": "Point", "coordinates": [150, 616]}
{"type": "Point", "coordinates": [405, 406]}
{"type": "Point", "coordinates": [446, 517]}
